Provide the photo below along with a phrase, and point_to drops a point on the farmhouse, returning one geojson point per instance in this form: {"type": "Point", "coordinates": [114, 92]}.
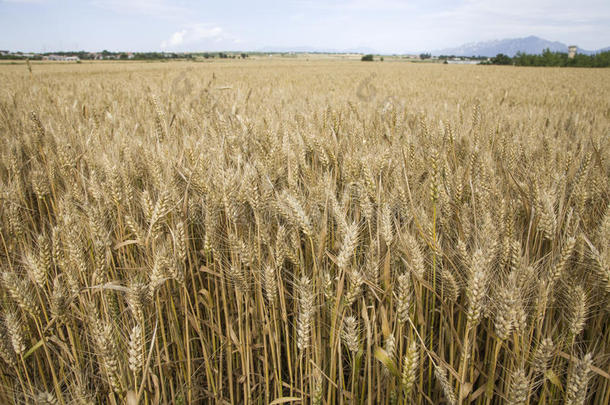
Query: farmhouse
{"type": "Point", "coordinates": [462, 61]}
{"type": "Point", "coordinates": [61, 58]}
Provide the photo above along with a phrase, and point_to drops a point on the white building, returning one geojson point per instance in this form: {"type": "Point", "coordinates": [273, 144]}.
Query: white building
{"type": "Point", "coordinates": [61, 58]}
{"type": "Point", "coordinates": [459, 61]}
{"type": "Point", "coordinates": [572, 51]}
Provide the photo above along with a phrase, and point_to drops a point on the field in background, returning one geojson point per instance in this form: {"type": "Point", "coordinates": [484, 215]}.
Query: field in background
{"type": "Point", "coordinates": [304, 231]}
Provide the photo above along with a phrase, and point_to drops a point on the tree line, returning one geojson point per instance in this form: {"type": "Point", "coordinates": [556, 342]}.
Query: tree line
{"type": "Point", "coordinates": [548, 58]}
{"type": "Point", "coordinates": [83, 55]}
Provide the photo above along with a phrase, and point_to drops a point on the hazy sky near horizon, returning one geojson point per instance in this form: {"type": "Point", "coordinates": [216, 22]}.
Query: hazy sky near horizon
{"type": "Point", "coordinates": [389, 26]}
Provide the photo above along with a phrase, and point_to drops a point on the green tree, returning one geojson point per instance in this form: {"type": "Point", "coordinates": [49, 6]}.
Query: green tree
{"type": "Point", "coordinates": [501, 59]}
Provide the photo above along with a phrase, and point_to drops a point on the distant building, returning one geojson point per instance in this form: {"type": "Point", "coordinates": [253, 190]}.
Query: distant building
{"type": "Point", "coordinates": [4, 52]}
{"type": "Point", "coordinates": [61, 58]}
{"type": "Point", "coordinates": [572, 51]}
{"type": "Point", "coordinates": [461, 61]}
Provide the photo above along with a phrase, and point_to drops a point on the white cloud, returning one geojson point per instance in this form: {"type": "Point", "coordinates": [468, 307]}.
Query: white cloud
{"type": "Point", "coordinates": [584, 22]}
{"type": "Point", "coordinates": [193, 34]}
{"type": "Point", "coordinates": [177, 38]}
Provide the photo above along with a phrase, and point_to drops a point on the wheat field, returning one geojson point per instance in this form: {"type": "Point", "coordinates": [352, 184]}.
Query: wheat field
{"type": "Point", "coordinates": [316, 232]}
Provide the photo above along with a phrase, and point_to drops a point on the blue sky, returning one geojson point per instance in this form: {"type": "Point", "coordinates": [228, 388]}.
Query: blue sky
{"type": "Point", "coordinates": [390, 26]}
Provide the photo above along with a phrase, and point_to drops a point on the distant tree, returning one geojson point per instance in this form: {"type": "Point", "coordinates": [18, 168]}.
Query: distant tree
{"type": "Point", "coordinates": [425, 56]}
{"type": "Point", "coordinates": [501, 59]}
{"type": "Point", "coordinates": [599, 60]}
{"type": "Point", "coordinates": [367, 58]}
{"type": "Point", "coordinates": [244, 55]}
{"type": "Point", "coordinates": [381, 59]}
{"type": "Point", "coordinates": [523, 59]}
{"type": "Point", "coordinates": [559, 59]}
{"type": "Point", "coordinates": [550, 58]}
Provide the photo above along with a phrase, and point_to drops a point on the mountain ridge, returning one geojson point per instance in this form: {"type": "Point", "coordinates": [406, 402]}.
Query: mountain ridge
{"type": "Point", "coordinates": [510, 46]}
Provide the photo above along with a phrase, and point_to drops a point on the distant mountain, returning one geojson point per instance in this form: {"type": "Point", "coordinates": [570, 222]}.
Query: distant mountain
{"type": "Point", "coordinates": [363, 50]}
{"type": "Point", "coordinates": [606, 49]}
{"type": "Point", "coordinates": [510, 46]}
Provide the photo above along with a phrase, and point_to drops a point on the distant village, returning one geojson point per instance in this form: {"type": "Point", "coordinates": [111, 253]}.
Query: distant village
{"type": "Point", "coordinates": [547, 58]}
{"type": "Point", "coordinates": [106, 55]}
{"type": "Point", "coordinates": [82, 55]}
